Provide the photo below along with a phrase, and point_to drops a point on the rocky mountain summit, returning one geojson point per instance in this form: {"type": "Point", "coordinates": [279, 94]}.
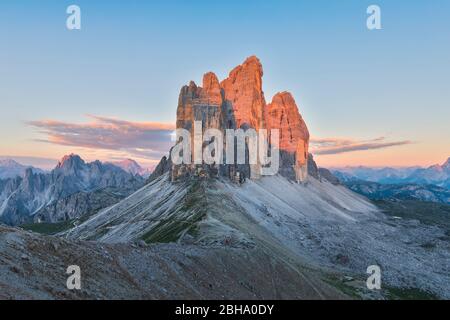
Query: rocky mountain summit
{"type": "Point", "coordinates": [21, 198]}
{"type": "Point", "coordinates": [238, 102]}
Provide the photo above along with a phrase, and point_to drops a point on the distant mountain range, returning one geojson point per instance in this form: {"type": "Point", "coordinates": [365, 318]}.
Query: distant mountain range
{"type": "Point", "coordinates": [34, 194]}
{"type": "Point", "coordinates": [11, 169]}
{"type": "Point", "coordinates": [438, 175]}
{"type": "Point", "coordinates": [430, 184]}
{"type": "Point", "coordinates": [378, 191]}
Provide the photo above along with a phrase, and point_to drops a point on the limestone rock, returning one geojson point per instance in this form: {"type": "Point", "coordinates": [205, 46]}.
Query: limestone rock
{"type": "Point", "coordinates": [313, 170]}
{"type": "Point", "coordinates": [244, 96]}
{"type": "Point", "coordinates": [282, 113]}
{"type": "Point", "coordinates": [238, 102]}
{"type": "Point", "coordinates": [163, 166]}
{"type": "Point", "coordinates": [211, 89]}
{"type": "Point", "coordinates": [185, 115]}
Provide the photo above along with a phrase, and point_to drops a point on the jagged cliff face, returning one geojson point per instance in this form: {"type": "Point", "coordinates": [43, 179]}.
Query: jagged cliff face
{"type": "Point", "coordinates": [282, 113]}
{"type": "Point", "coordinates": [243, 95]}
{"type": "Point", "coordinates": [239, 102]}
{"type": "Point", "coordinates": [26, 199]}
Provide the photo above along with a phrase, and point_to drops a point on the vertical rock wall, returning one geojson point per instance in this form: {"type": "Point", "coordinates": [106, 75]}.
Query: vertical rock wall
{"type": "Point", "coordinates": [239, 102]}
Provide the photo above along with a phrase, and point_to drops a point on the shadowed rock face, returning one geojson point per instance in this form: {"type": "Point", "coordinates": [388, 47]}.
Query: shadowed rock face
{"type": "Point", "coordinates": [239, 102]}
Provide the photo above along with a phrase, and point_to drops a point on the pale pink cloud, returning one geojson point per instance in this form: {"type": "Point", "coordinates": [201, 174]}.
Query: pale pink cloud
{"type": "Point", "coordinates": [152, 140]}
{"type": "Point", "coordinates": [149, 140]}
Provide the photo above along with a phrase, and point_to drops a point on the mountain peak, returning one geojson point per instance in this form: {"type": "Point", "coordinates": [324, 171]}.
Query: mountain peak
{"type": "Point", "coordinates": [243, 91]}
{"type": "Point", "coordinates": [128, 160]}
{"type": "Point", "coordinates": [252, 60]}
{"type": "Point", "coordinates": [283, 95]}
{"type": "Point", "coordinates": [131, 166]}
{"type": "Point", "coordinates": [211, 88]}
{"type": "Point", "coordinates": [10, 168]}
{"type": "Point", "coordinates": [251, 67]}
{"type": "Point", "coordinates": [447, 163]}
{"type": "Point", "coordinates": [69, 161]}
{"type": "Point", "coordinates": [9, 163]}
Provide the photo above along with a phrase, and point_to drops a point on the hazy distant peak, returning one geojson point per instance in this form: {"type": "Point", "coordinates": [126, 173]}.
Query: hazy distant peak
{"type": "Point", "coordinates": [9, 163]}
{"type": "Point", "coordinates": [446, 164]}
{"type": "Point", "coordinates": [131, 166]}
{"type": "Point", "coordinates": [10, 168]}
{"type": "Point", "coordinates": [438, 175]}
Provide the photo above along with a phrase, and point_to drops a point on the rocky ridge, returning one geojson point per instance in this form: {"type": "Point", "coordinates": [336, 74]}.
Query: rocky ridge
{"type": "Point", "coordinates": [22, 198]}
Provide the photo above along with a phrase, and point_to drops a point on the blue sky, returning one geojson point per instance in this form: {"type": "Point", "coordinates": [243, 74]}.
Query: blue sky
{"type": "Point", "coordinates": [131, 58]}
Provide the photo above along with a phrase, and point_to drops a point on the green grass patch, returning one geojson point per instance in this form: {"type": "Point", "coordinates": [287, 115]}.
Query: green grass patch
{"type": "Point", "coordinates": [48, 228]}
{"type": "Point", "coordinates": [430, 213]}
{"type": "Point", "coordinates": [343, 287]}
{"type": "Point", "coordinates": [185, 219]}
{"type": "Point", "coordinates": [393, 293]}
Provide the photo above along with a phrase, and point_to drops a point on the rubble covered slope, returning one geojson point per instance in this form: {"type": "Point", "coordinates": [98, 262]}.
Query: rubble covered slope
{"type": "Point", "coordinates": [324, 226]}
{"type": "Point", "coordinates": [34, 267]}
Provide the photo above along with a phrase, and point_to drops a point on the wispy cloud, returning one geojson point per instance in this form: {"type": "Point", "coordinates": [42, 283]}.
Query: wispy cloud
{"type": "Point", "coordinates": [142, 139]}
{"type": "Point", "coordinates": [327, 146]}
{"type": "Point", "coordinates": [152, 140]}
